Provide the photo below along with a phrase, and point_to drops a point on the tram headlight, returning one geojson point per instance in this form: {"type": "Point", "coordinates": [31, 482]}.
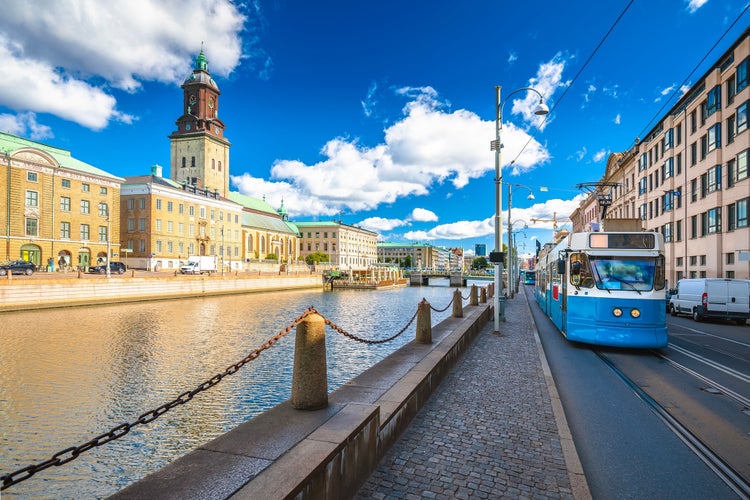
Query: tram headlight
{"type": "Point", "coordinates": [617, 312]}
{"type": "Point", "coordinates": [636, 313]}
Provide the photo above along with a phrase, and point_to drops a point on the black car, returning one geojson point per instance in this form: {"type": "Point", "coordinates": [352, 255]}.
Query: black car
{"type": "Point", "coordinates": [114, 268]}
{"type": "Point", "coordinates": [17, 267]}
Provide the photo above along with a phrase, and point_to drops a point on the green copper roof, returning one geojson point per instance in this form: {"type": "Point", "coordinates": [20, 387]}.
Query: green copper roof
{"type": "Point", "coordinates": [201, 62]}
{"type": "Point", "coordinates": [252, 203]}
{"type": "Point", "coordinates": [10, 143]}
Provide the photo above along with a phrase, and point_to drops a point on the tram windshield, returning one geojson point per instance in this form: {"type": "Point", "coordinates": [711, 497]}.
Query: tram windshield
{"type": "Point", "coordinates": [631, 273]}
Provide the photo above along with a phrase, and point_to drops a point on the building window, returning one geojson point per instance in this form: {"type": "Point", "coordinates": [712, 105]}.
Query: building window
{"type": "Point", "coordinates": [713, 221]}
{"type": "Point", "coordinates": [742, 212]}
{"type": "Point", "coordinates": [85, 207]}
{"type": "Point", "coordinates": [142, 203]}
{"type": "Point", "coordinates": [32, 198]}
{"type": "Point", "coordinates": [712, 103]}
{"type": "Point", "coordinates": [729, 258]}
{"type": "Point", "coordinates": [711, 141]}
{"type": "Point", "coordinates": [694, 226]}
{"type": "Point", "coordinates": [142, 247]}
{"type": "Point", "coordinates": [65, 183]}
{"type": "Point", "coordinates": [678, 232]}
{"type": "Point", "coordinates": [158, 204]}
{"type": "Point", "coordinates": [142, 224]}
{"type": "Point", "coordinates": [102, 234]}
{"type": "Point", "coordinates": [731, 89]}
{"type": "Point", "coordinates": [158, 225]}
{"type": "Point", "coordinates": [668, 169]}
{"type": "Point", "coordinates": [184, 162]}
{"type": "Point", "coordinates": [32, 176]}
{"type": "Point", "coordinates": [711, 180]}
{"type": "Point", "coordinates": [65, 230]}
{"type": "Point", "coordinates": [731, 129]}
{"type": "Point", "coordinates": [85, 188]}
{"type": "Point", "coordinates": [741, 118]}
{"type": "Point", "coordinates": [131, 225]}
{"type": "Point", "coordinates": [219, 165]}
{"type": "Point", "coordinates": [741, 76]}
{"type": "Point", "coordinates": [643, 185]}
{"type": "Point", "coordinates": [84, 232]}
{"type": "Point", "coordinates": [103, 191]}
{"type": "Point", "coordinates": [191, 211]}
{"type": "Point", "coordinates": [170, 206]}
{"type": "Point", "coordinates": [668, 232]}
{"type": "Point", "coordinates": [32, 227]}
{"type": "Point", "coordinates": [103, 210]}
{"type": "Point", "coordinates": [668, 139]}
{"type": "Point", "coordinates": [740, 172]}
{"type": "Point", "coordinates": [202, 212]}
{"type": "Point", "coordinates": [693, 154]}
{"type": "Point", "coordinates": [192, 161]}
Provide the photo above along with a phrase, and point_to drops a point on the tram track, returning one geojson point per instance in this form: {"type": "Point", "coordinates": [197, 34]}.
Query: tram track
{"type": "Point", "coordinates": [735, 481]}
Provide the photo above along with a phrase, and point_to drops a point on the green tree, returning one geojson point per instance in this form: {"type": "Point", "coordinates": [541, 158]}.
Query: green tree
{"type": "Point", "coordinates": [479, 263]}
{"type": "Point", "coordinates": [317, 258]}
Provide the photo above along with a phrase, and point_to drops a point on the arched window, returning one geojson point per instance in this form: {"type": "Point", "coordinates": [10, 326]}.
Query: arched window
{"type": "Point", "coordinates": [184, 162]}
{"type": "Point", "coordinates": [192, 161]}
{"type": "Point", "coordinates": [213, 164]}
{"type": "Point", "coordinates": [219, 165]}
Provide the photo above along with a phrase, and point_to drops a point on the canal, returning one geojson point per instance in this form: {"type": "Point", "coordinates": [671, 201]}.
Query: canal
{"type": "Point", "coordinates": [68, 375]}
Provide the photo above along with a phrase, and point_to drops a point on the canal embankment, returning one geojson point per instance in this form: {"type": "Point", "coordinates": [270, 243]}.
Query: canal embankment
{"type": "Point", "coordinates": [78, 289]}
{"type": "Point", "coordinates": [326, 453]}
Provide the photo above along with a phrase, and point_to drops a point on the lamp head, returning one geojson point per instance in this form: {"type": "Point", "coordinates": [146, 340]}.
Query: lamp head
{"type": "Point", "coordinates": [541, 108]}
{"type": "Point", "coordinates": [531, 196]}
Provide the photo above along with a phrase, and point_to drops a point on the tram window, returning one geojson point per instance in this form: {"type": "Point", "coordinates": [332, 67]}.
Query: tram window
{"type": "Point", "coordinates": [580, 271]}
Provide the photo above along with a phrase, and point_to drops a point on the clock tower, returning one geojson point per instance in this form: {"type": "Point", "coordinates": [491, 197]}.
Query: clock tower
{"type": "Point", "coordinates": [199, 150]}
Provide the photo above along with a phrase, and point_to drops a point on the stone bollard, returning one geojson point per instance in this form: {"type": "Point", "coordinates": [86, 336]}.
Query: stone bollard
{"type": "Point", "coordinates": [424, 323]}
{"type": "Point", "coordinates": [491, 290]}
{"type": "Point", "coordinates": [458, 306]}
{"type": "Point", "coordinates": [309, 378]}
{"type": "Point", "coordinates": [483, 295]}
{"type": "Point", "coordinates": [473, 300]}
{"type": "Point", "coordinates": [132, 273]}
{"type": "Point", "coordinates": [79, 273]}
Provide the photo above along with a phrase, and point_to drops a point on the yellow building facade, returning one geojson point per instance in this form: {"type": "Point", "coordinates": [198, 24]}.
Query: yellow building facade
{"type": "Point", "coordinates": [59, 213]}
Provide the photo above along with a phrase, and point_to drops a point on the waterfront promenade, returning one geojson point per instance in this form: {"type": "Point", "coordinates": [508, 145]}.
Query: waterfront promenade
{"type": "Point", "coordinates": [494, 428]}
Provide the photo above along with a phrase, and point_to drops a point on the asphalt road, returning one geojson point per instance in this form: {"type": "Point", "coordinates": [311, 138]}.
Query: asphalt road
{"type": "Point", "coordinates": [625, 449]}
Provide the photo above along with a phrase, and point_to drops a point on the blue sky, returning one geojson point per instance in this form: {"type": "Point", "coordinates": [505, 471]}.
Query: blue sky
{"type": "Point", "coordinates": [377, 113]}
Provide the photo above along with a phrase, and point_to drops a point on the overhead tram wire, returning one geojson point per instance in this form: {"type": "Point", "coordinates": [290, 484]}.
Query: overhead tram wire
{"type": "Point", "coordinates": [580, 70]}
{"type": "Point", "coordinates": [705, 56]}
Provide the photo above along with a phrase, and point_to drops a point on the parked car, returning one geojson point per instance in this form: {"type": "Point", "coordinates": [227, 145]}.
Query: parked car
{"type": "Point", "coordinates": [114, 268]}
{"type": "Point", "coordinates": [702, 298]}
{"type": "Point", "coordinates": [17, 267]}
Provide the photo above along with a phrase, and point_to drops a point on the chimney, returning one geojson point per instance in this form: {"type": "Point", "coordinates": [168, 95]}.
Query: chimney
{"type": "Point", "coordinates": [156, 170]}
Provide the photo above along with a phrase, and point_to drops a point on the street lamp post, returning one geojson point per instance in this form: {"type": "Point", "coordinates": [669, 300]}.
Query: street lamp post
{"type": "Point", "coordinates": [109, 247]}
{"type": "Point", "coordinates": [541, 109]}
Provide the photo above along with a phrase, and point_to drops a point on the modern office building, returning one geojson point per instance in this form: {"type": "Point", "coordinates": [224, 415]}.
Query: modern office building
{"type": "Point", "coordinates": [57, 210]}
{"type": "Point", "coordinates": [688, 177]}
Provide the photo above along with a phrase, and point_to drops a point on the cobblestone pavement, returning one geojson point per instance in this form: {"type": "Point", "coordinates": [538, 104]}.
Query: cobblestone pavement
{"type": "Point", "coordinates": [489, 430]}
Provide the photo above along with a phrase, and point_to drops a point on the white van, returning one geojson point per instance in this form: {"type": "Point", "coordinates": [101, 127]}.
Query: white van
{"type": "Point", "coordinates": [712, 298]}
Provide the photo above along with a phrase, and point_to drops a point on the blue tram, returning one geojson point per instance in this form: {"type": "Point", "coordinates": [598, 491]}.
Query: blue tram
{"type": "Point", "coordinates": [605, 288]}
{"type": "Point", "coordinates": [529, 276]}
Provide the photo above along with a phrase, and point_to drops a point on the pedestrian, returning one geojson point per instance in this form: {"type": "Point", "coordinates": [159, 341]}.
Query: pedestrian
{"type": "Point", "coordinates": [51, 265]}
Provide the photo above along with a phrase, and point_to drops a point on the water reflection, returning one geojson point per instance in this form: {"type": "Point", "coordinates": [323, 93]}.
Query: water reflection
{"type": "Point", "coordinates": [68, 375]}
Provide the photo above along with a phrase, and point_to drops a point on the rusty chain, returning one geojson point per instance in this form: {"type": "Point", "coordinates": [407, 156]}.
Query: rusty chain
{"type": "Point", "coordinates": [445, 308]}
{"type": "Point", "coordinates": [69, 454]}
{"type": "Point", "coordinates": [343, 332]}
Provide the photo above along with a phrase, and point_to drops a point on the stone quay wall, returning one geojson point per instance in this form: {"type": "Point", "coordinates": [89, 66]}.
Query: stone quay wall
{"type": "Point", "coordinates": [71, 289]}
{"type": "Point", "coordinates": [325, 453]}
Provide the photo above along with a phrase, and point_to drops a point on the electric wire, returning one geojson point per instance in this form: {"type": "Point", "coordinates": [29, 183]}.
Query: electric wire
{"type": "Point", "coordinates": [580, 70]}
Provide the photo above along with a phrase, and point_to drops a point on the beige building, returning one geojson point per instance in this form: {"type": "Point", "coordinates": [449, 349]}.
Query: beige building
{"type": "Point", "coordinates": [416, 255]}
{"type": "Point", "coordinates": [349, 247]}
{"type": "Point", "coordinates": [56, 209]}
{"type": "Point", "coordinates": [688, 178]}
{"type": "Point", "coordinates": [266, 231]}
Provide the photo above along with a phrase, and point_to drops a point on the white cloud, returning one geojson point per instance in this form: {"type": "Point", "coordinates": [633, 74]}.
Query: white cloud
{"type": "Point", "coordinates": [25, 123]}
{"type": "Point", "coordinates": [379, 224]}
{"type": "Point", "coordinates": [64, 57]}
{"type": "Point", "coordinates": [547, 80]}
{"type": "Point", "coordinates": [601, 155]}
{"type": "Point", "coordinates": [512, 57]}
{"type": "Point", "coordinates": [617, 119]}
{"type": "Point", "coordinates": [694, 5]}
{"type": "Point", "coordinates": [423, 215]}
{"type": "Point", "coordinates": [429, 145]}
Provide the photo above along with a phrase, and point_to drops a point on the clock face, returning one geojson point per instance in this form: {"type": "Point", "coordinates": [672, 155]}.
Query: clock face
{"type": "Point", "coordinates": [211, 102]}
